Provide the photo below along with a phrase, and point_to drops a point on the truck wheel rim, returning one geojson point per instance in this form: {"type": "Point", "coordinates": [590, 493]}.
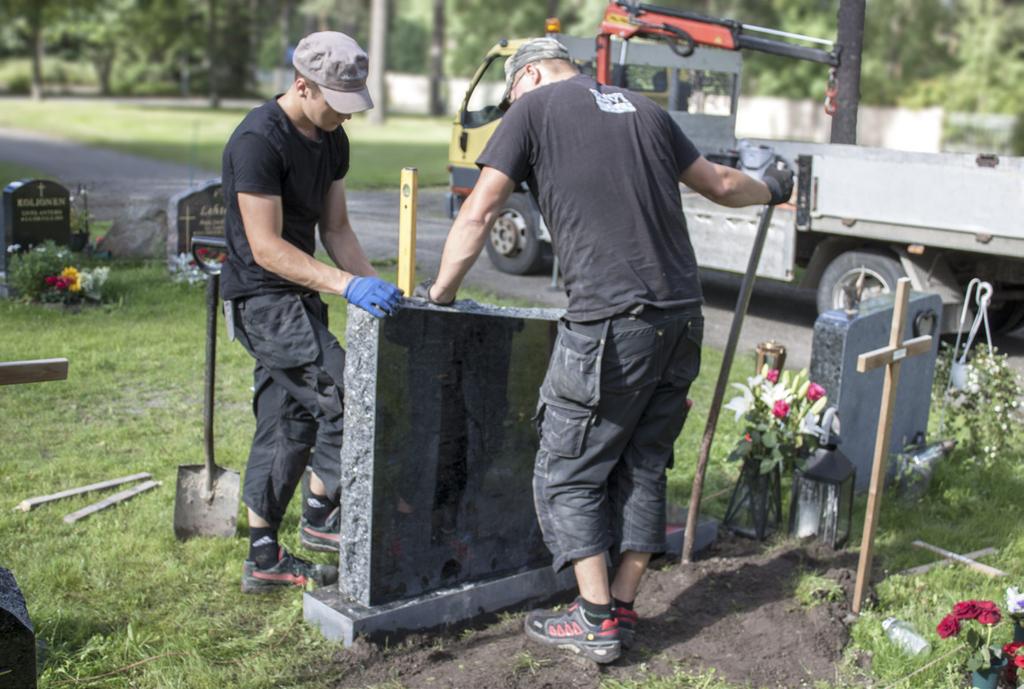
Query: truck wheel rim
{"type": "Point", "coordinates": [874, 286]}
{"type": "Point", "coordinates": [508, 234]}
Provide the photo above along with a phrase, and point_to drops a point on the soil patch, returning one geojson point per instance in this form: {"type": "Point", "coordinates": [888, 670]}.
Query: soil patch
{"type": "Point", "coordinates": [733, 611]}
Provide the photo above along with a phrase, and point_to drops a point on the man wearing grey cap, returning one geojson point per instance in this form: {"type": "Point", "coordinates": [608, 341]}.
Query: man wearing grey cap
{"type": "Point", "coordinates": [283, 176]}
{"type": "Point", "coordinates": [604, 165]}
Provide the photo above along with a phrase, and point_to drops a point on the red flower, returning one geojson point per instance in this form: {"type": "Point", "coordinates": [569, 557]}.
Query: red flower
{"type": "Point", "coordinates": [780, 410]}
{"type": "Point", "coordinates": [989, 617]}
{"type": "Point", "coordinates": [966, 610]}
{"type": "Point", "coordinates": [815, 392]}
{"type": "Point", "coordinates": [1012, 647]}
{"type": "Point", "coordinates": [773, 375]}
{"type": "Point", "coordinates": [747, 437]}
{"type": "Point", "coordinates": [51, 280]}
{"type": "Point", "coordinates": [1018, 661]}
{"type": "Point", "coordinates": [949, 626]}
{"type": "Point", "coordinates": [986, 605]}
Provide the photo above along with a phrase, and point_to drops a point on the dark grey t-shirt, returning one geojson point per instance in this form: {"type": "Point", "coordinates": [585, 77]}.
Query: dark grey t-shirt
{"type": "Point", "coordinates": [604, 165]}
{"type": "Point", "coordinates": [268, 155]}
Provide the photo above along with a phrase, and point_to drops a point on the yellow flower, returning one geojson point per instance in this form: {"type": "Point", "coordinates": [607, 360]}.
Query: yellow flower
{"type": "Point", "coordinates": [76, 278]}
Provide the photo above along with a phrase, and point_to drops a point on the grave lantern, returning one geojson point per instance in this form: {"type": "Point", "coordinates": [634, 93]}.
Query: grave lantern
{"type": "Point", "coordinates": [822, 501]}
{"type": "Point", "coordinates": [771, 353]}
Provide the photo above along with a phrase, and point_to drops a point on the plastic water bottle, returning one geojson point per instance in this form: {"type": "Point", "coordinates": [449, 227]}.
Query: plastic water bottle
{"type": "Point", "coordinates": [905, 636]}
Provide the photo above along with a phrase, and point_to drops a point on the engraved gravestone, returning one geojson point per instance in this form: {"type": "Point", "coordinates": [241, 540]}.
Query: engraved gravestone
{"type": "Point", "coordinates": [17, 638]}
{"type": "Point", "coordinates": [34, 210]}
{"type": "Point", "coordinates": [839, 338]}
{"type": "Point", "coordinates": [437, 520]}
{"type": "Point", "coordinates": [196, 211]}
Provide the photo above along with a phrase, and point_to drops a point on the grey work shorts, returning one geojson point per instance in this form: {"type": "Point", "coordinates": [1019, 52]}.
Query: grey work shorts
{"type": "Point", "coordinates": [298, 400]}
{"type": "Point", "coordinates": [611, 407]}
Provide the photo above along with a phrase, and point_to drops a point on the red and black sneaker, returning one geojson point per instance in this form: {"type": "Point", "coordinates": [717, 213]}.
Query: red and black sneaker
{"type": "Point", "coordinates": [627, 620]}
{"type": "Point", "coordinates": [571, 630]}
{"type": "Point", "coordinates": [325, 538]}
{"type": "Point", "coordinates": [287, 571]}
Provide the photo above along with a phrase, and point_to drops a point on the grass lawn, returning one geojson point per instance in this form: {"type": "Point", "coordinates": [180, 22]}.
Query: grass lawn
{"type": "Point", "coordinates": [118, 596]}
{"type": "Point", "coordinates": [196, 136]}
{"type": "Point", "coordinates": [12, 171]}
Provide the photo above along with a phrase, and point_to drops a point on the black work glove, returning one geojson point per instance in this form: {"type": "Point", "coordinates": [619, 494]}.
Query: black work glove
{"type": "Point", "coordinates": [779, 178]}
{"type": "Point", "coordinates": [422, 291]}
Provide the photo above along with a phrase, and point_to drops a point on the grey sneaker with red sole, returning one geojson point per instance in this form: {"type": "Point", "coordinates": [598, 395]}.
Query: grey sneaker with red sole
{"type": "Point", "coordinates": [287, 571]}
{"type": "Point", "coordinates": [570, 630]}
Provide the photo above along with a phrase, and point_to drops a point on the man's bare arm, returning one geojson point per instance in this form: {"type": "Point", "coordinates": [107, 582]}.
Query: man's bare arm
{"type": "Point", "coordinates": [337, 235]}
{"type": "Point", "coordinates": [262, 217]}
{"type": "Point", "coordinates": [469, 231]}
{"type": "Point", "coordinates": [725, 186]}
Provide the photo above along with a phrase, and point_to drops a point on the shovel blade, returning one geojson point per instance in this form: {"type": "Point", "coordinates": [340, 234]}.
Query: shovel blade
{"type": "Point", "coordinates": [197, 511]}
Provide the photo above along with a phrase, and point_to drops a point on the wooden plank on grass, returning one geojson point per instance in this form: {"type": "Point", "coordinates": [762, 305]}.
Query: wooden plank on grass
{"type": "Point", "coordinates": [922, 569]}
{"type": "Point", "coordinates": [35, 371]}
{"type": "Point", "coordinates": [30, 503]}
{"type": "Point", "coordinates": [984, 569]}
{"type": "Point", "coordinates": [112, 500]}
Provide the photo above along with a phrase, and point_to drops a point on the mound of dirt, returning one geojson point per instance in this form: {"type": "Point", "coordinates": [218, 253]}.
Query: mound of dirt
{"type": "Point", "coordinates": [733, 611]}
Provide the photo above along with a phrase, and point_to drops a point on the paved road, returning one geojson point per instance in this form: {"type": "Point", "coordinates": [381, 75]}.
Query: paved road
{"type": "Point", "coordinates": [777, 311]}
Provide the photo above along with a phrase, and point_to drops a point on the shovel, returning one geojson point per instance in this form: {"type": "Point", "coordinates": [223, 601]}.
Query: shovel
{"type": "Point", "coordinates": [206, 502]}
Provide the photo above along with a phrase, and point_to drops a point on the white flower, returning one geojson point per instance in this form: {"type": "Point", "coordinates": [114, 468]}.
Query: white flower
{"type": "Point", "coordinates": [1014, 601]}
{"type": "Point", "coordinates": [742, 403]}
{"type": "Point", "coordinates": [13, 248]}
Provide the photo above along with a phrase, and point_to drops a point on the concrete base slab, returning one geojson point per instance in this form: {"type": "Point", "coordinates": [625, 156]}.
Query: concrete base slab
{"type": "Point", "coordinates": [340, 619]}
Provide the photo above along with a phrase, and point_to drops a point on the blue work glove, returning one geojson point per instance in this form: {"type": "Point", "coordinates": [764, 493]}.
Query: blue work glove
{"type": "Point", "coordinates": [373, 295]}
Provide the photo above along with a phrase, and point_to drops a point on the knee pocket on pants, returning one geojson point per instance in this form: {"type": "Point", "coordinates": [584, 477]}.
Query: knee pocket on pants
{"type": "Point", "coordinates": [563, 430]}
{"type": "Point", "coordinates": [280, 333]}
{"type": "Point", "coordinates": [302, 431]}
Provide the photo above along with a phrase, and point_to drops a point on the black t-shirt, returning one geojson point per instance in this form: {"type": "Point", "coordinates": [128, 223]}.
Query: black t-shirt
{"type": "Point", "coordinates": [604, 165]}
{"type": "Point", "coordinates": [268, 155]}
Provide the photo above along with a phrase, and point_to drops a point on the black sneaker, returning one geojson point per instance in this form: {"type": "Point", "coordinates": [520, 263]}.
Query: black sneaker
{"type": "Point", "coordinates": [325, 538]}
{"type": "Point", "coordinates": [570, 630]}
{"type": "Point", "coordinates": [627, 620]}
{"type": "Point", "coordinates": [287, 571]}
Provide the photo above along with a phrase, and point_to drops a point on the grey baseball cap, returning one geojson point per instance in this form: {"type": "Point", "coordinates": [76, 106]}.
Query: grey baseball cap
{"type": "Point", "coordinates": [337, 64]}
{"type": "Point", "coordinates": [533, 50]}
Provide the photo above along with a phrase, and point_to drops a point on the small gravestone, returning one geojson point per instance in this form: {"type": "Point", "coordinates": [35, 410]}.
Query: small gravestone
{"type": "Point", "coordinates": [34, 211]}
{"type": "Point", "coordinates": [17, 638]}
{"type": "Point", "coordinates": [437, 514]}
{"type": "Point", "coordinates": [839, 339]}
{"type": "Point", "coordinates": [196, 211]}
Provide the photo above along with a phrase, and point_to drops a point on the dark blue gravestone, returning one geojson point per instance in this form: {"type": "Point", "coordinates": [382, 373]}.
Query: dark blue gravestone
{"type": "Point", "coordinates": [438, 522]}
{"type": "Point", "coordinates": [17, 638]}
{"type": "Point", "coordinates": [839, 338]}
{"type": "Point", "coordinates": [195, 211]}
{"type": "Point", "coordinates": [33, 211]}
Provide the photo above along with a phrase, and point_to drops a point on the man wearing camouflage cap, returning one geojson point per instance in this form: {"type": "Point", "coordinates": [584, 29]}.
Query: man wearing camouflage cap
{"type": "Point", "coordinates": [283, 176]}
{"type": "Point", "coordinates": [603, 165]}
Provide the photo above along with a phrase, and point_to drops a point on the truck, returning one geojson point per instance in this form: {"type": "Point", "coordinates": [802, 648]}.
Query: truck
{"type": "Point", "coordinates": [861, 218]}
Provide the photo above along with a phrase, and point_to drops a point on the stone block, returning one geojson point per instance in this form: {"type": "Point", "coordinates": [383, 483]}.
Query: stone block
{"type": "Point", "coordinates": [17, 637]}
{"type": "Point", "coordinates": [839, 338]}
{"type": "Point", "coordinates": [139, 230]}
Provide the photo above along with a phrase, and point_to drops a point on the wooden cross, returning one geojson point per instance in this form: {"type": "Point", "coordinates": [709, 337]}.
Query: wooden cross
{"type": "Point", "coordinates": [891, 357]}
{"type": "Point", "coordinates": [37, 371]}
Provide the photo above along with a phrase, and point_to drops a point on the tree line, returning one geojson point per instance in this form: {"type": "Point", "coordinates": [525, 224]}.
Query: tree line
{"type": "Point", "coordinates": [964, 55]}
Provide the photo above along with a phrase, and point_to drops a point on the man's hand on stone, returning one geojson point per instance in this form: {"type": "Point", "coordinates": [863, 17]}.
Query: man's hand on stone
{"type": "Point", "coordinates": [422, 291]}
{"type": "Point", "coordinates": [373, 295]}
{"type": "Point", "coordinates": [779, 179]}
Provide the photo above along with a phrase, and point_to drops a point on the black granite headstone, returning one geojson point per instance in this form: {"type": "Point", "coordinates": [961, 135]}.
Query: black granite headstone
{"type": "Point", "coordinates": [17, 638]}
{"type": "Point", "coordinates": [196, 211]}
{"type": "Point", "coordinates": [839, 338]}
{"type": "Point", "coordinates": [34, 210]}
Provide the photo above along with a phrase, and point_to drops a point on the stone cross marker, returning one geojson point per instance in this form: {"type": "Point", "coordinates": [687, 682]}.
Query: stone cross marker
{"type": "Point", "coordinates": [891, 358]}
{"type": "Point", "coordinates": [34, 210]}
{"type": "Point", "coordinates": [192, 212]}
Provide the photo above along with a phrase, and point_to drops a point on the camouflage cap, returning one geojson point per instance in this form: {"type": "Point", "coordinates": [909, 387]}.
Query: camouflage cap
{"type": "Point", "coordinates": [534, 50]}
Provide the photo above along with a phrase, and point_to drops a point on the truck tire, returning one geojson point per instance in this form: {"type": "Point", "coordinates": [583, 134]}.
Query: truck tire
{"type": "Point", "coordinates": [836, 289]}
{"type": "Point", "coordinates": [513, 245]}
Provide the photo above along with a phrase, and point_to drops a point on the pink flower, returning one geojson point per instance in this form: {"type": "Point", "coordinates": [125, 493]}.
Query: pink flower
{"type": "Point", "coordinates": [773, 376]}
{"type": "Point", "coordinates": [815, 392]}
{"type": "Point", "coordinates": [780, 410]}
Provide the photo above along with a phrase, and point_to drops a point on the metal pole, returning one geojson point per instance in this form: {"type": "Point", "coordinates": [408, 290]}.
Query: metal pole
{"type": "Point", "coordinates": [849, 43]}
{"type": "Point", "coordinates": [742, 302]}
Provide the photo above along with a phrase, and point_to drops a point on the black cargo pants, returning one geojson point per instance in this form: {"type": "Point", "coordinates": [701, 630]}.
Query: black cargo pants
{"type": "Point", "coordinates": [611, 407]}
{"type": "Point", "coordinates": [298, 385]}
